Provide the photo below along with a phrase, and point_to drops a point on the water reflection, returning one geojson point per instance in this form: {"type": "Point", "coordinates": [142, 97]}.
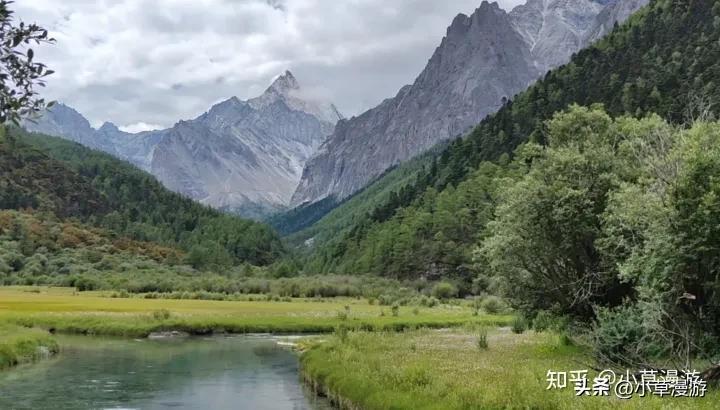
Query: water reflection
{"type": "Point", "coordinates": [237, 372]}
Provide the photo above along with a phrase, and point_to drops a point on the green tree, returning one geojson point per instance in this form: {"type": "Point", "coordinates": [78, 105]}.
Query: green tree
{"type": "Point", "coordinates": [542, 241]}
{"type": "Point", "coordinates": [19, 72]}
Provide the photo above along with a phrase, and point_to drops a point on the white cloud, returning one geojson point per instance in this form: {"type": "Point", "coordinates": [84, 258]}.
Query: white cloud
{"type": "Point", "coordinates": [153, 62]}
{"type": "Point", "coordinates": [140, 127]}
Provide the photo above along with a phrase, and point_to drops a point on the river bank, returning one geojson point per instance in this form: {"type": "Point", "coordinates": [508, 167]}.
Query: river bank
{"type": "Point", "coordinates": [27, 317]}
{"type": "Point", "coordinates": [218, 372]}
{"type": "Point", "coordinates": [446, 369]}
{"type": "Point", "coordinates": [19, 345]}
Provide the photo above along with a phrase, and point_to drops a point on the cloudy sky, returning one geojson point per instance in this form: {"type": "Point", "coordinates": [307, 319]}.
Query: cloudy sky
{"type": "Point", "coordinates": [147, 63]}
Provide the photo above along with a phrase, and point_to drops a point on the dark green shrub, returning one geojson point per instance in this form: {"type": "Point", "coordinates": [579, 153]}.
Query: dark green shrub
{"type": "Point", "coordinates": [395, 309]}
{"type": "Point", "coordinates": [493, 305]}
{"type": "Point", "coordinates": [619, 335]}
{"type": "Point", "coordinates": [519, 325]}
{"type": "Point", "coordinates": [341, 332]}
{"type": "Point", "coordinates": [482, 339]}
{"type": "Point", "coordinates": [543, 321]}
{"type": "Point", "coordinates": [444, 290]}
{"type": "Point", "coordinates": [161, 314]}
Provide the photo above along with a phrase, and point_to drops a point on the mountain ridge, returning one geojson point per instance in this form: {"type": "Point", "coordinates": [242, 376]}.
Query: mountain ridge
{"type": "Point", "coordinates": [481, 62]}
{"type": "Point", "coordinates": [240, 156]}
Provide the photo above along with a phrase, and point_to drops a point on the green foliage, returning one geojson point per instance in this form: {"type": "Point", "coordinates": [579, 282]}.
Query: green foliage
{"type": "Point", "coordinates": [161, 314]}
{"type": "Point", "coordinates": [20, 345]}
{"type": "Point", "coordinates": [664, 60]}
{"type": "Point", "coordinates": [21, 74]}
{"type": "Point", "coordinates": [661, 230]}
{"type": "Point", "coordinates": [548, 221]}
{"type": "Point", "coordinates": [545, 320]}
{"type": "Point", "coordinates": [395, 309]}
{"type": "Point", "coordinates": [519, 325]}
{"type": "Point", "coordinates": [39, 249]}
{"type": "Point", "coordinates": [30, 179]}
{"type": "Point", "coordinates": [59, 176]}
{"type": "Point", "coordinates": [620, 336]}
{"type": "Point", "coordinates": [493, 305]}
{"type": "Point", "coordinates": [444, 290]}
{"type": "Point", "coordinates": [302, 217]}
{"type": "Point", "coordinates": [616, 222]}
{"type": "Point", "coordinates": [341, 332]}
{"type": "Point", "coordinates": [482, 339]}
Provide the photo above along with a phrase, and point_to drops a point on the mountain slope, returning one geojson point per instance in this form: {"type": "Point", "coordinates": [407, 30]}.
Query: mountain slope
{"type": "Point", "coordinates": [664, 61]}
{"type": "Point", "coordinates": [242, 156]}
{"type": "Point", "coordinates": [484, 59]}
{"type": "Point", "coordinates": [52, 174]}
{"type": "Point", "coordinates": [31, 180]}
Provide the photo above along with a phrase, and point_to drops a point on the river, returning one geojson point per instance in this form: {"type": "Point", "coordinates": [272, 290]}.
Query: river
{"type": "Point", "coordinates": [221, 372]}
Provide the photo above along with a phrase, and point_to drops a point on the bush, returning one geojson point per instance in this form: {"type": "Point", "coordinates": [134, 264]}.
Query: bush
{"type": "Point", "coordinates": [161, 314]}
{"type": "Point", "coordinates": [341, 332]}
{"type": "Point", "coordinates": [482, 339]}
{"type": "Point", "coordinates": [444, 290]}
{"type": "Point", "coordinates": [493, 305]}
{"type": "Point", "coordinates": [519, 325]}
{"type": "Point", "coordinates": [543, 321]}
{"type": "Point", "coordinates": [566, 340]}
{"type": "Point", "coordinates": [619, 335]}
{"type": "Point", "coordinates": [395, 309]}
{"type": "Point", "coordinates": [85, 283]}
{"type": "Point", "coordinates": [386, 300]}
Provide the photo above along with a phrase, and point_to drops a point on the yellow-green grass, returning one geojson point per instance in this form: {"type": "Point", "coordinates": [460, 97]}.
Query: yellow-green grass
{"type": "Point", "coordinates": [89, 313]}
{"type": "Point", "coordinates": [435, 369]}
{"type": "Point", "coordinates": [22, 345]}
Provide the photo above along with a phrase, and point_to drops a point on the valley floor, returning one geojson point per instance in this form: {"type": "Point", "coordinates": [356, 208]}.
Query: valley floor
{"type": "Point", "coordinates": [445, 369]}
{"type": "Point", "coordinates": [66, 311]}
{"type": "Point", "coordinates": [433, 363]}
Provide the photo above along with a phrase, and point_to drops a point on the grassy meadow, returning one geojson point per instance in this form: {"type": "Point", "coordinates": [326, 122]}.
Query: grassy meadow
{"type": "Point", "coordinates": [64, 310]}
{"type": "Point", "coordinates": [421, 358]}
{"type": "Point", "coordinates": [446, 369]}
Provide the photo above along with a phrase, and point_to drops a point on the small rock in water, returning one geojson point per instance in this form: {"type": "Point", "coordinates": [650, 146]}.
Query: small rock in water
{"type": "Point", "coordinates": [44, 352]}
{"type": "Point", "coordinates": [165, 335]}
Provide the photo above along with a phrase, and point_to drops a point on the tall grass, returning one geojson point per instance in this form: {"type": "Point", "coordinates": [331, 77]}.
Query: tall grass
{"type": "Point", "coordinates": [430, 369]}
{"type": "Point", "coordinates": [88, 314]}
{"type": "Point", "coordinates": [22, 345]}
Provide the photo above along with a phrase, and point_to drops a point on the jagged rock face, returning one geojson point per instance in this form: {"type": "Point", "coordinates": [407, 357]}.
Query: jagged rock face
{"type": "Point", "coordinates": [241, 156]}
{"type": "Point", "coordinates": [245, 154]}
{"type": "Point", "coordinates": [482, 59]}
{"type": "Point", "coordinates": [458, 87]}
{"type": "Point", "coordinates": [63, 121]}
{"type": "Point", "coordinates": [554, 29]}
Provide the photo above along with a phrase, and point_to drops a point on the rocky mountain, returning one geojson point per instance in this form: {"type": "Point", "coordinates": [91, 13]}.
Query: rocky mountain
{"type": "Point", "coordinates": [63, 121]}
{"type": "Point", "coordinates": [483, 59]}
{"type": "Point", "coordinates": [241, 156]}
{"type": "Point", "coordinates": [245, 156]}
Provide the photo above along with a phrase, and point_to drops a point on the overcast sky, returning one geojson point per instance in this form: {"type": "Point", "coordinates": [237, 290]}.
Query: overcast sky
{"type": "Point", "coordinates": [146, 64]}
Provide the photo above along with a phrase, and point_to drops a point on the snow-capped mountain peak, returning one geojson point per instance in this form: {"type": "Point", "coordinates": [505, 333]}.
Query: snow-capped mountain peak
{"type": "Point", "coordinates": [287, 89]}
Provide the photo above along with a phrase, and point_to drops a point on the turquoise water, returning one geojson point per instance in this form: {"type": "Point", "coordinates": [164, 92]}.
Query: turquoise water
{"type": "Point", "coordinates": [234, 372]}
